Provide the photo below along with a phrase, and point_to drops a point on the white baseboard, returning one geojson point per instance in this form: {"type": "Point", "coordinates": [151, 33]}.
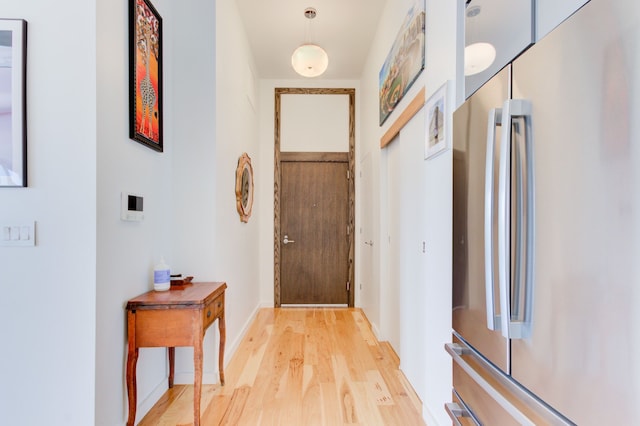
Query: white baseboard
{"type": "Point", "coordinates": [265, 305]}
{"type": "Point", "coordinates": [243, 331]}
{"type": "Point", "coordinates": [428, 417]}
{"type": "Point", "coordinates": [147, 403]}
{"type": "Point", "coordinates": [376, 332]}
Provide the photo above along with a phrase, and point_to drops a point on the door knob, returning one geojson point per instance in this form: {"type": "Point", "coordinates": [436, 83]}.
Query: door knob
{"type": "Point", "coordinates": [287, 240]}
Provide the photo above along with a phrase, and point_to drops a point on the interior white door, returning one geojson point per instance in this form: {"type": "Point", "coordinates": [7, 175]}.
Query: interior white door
{"type": "Point", "coordinates": [368, 291]}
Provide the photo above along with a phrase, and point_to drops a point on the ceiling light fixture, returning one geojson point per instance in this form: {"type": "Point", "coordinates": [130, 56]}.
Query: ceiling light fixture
{"type": "Point", "coordinates": [309, 60]}
{"type": "Point", "coordinates": [477, 56]}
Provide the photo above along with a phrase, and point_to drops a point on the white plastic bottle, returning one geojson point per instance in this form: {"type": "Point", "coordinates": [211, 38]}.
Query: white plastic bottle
{"type": "Point", "coordinates": [161, 276]}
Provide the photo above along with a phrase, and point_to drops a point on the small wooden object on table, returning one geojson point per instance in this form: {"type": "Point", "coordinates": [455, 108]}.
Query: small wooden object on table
{"type": "Point", "coordinates": [177, 317]}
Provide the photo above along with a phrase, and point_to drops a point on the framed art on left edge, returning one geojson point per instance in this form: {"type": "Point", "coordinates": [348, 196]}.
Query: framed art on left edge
{"type": "Point", "coordinates": [13, 108]}
{"type": "Point", "coordinates": [145, 74]}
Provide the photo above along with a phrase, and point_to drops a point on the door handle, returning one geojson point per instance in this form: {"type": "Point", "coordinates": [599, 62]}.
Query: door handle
{"type": "Point", "coordinates": [515, 328]}
{"type": "Point", "coordinates": [369, 243]}
{"type": "Point", "coordinates": [287, 240]}
{"type": "Point", "coordinates": [457, 411]}
{"type": "Point", "coordinates": [494, 120]}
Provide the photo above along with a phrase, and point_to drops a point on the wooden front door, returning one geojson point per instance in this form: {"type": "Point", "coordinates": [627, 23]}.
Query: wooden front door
{"type": "Point", "coordinates": [314, 243]}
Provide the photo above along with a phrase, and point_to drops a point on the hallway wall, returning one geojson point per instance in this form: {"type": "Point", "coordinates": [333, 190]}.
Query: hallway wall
{"type": "Point", "coordinates": [127, 251]}
{"type": "Point", "coordinates": [190, 208]}
{"type": "Point", "coordinates": [63, 300]}
{"type": "Point", "coordinates": [47, 306]}
{"type": "Point", "coordinates": [408, 297]}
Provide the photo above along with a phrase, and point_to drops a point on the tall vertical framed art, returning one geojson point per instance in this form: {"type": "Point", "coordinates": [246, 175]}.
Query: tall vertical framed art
{"type": "Point", "coordinates": [145, 74]}
{"type": "Point", "coordinates": [13, 108]}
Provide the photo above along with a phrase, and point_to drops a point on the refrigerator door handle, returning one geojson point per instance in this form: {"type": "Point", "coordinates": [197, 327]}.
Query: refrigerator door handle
{"type": "Point", "coordinates": [457, 350]}
{"type": "Point", "coordinates": [502, 389]}
{"type": "Point", "coordinates": [457, 411]}
{"type": "Point", "coordinates": [494, 120]}
{"type": "Point", "coordinates": [504, 189]}
{"type": "Point", "coordinates": [519, 327]}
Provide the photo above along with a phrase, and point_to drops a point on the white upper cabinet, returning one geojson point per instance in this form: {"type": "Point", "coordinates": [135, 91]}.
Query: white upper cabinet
{"type": "Point", "coordinates": [550, 13]}
{"type": "Point", "coordinates": [496, 31]}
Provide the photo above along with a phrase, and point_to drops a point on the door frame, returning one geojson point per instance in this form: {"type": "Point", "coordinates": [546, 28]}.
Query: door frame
{"type": "Point", "coordinates": [279, 91]}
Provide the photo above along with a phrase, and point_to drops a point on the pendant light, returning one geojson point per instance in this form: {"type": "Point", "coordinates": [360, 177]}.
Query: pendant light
{"type": "Point", "coordinates": [480, 55]}
{"type": "Point", "coordinates": [309, 60]}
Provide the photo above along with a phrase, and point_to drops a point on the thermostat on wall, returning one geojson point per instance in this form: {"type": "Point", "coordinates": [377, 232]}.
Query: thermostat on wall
{"type": "Point", "coordinates": [131, 207]}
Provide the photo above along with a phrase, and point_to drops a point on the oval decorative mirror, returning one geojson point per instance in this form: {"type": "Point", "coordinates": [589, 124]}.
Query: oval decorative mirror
{"type": "Point", "coordinates": [244, 187]}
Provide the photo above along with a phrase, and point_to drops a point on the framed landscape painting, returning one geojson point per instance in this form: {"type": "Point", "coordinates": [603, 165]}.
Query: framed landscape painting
{"type": "Point", "coordinates": [404, 62]}
{"type": "Point", "coordinates": [13, 110]}
{"type": "Point", "coordinates": [145, 74]}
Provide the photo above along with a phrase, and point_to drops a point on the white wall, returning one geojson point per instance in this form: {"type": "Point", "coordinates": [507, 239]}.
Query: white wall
{"type": "Point", "coordinates": [127, 251]}
{"type": "Point", "coordinates": [409, 297]}
{"type": "Point", "coordinates": [314, 123]}
{"type": "Point", "coordinates": [237, 130]}
{"type": "Point", "coordinates": [189, 189]}
{"type": "Point", "coordinates": [48, 298]}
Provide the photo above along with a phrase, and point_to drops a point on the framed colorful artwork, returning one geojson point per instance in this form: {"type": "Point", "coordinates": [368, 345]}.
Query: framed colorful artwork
{"type": "Point", "coordinates": [145, 74]}
{"type": "Point", "coordinates": [404, 62]}
{"type": "Point", "coordinates": [13, 103]}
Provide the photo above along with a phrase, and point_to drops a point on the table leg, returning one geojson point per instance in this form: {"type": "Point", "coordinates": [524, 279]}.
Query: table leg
{"type": "Point", "coordinates": [172, 364]}
{"type": "Point", "coordinates": [132, 359]}
{"type": "Point", "coordinates": [197, 385]}
{"type": "Point", "coordinates": [223, 337]}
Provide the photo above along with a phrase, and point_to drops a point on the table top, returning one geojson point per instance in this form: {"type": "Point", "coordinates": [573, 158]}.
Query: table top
{"type": "Point", "coordinates": [192, 295]}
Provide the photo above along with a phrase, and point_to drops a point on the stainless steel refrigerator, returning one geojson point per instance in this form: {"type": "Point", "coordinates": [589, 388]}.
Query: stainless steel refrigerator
{"type": "Point", "coordinates": [546, 230]}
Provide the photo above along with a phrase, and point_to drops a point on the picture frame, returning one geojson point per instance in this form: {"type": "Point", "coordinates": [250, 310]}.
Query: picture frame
{"type": "Point", "coordinates": [13, 103]}
{"type": "Point", "coordinates": [244, 187]}
{"type": "Point", "coordinates": [438, 138]}
{"type": "Point", "coordinates": [405, 61]}
{"type": "Point", "coordinates": [145, 74]}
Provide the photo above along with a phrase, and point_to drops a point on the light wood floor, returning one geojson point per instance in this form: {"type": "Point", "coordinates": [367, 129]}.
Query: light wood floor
{"type": "Point", "coordinates": [302, 367]}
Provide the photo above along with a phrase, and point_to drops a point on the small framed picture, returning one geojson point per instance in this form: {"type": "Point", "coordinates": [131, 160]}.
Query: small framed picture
{"type": "Point", "coordinates": [145, 74]}
{"type": "Point", "coordinates": [13, 108]}
{"type": "Point", "coordinates": [437, 126]}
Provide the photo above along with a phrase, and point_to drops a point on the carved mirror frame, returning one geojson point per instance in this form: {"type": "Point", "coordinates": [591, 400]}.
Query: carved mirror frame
{"type": "Point", "coordinates": [244, 187]}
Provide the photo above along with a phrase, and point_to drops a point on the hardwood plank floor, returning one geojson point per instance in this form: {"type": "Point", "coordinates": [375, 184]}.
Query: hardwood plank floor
{"type": "Point", "coordinates": [295, 366]}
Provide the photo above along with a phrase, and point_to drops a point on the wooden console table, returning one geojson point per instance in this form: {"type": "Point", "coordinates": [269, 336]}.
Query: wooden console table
{"type": "Point", "coordinates": [177, 317]}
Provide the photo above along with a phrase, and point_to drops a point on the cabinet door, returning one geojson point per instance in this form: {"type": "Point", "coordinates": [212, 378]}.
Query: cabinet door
{"type": "Point", "coordinates": [474, 267]}
{"type": "Point", "coordinates": [505, 24]}
{"type": "Point", "coordinates": [550, 13]}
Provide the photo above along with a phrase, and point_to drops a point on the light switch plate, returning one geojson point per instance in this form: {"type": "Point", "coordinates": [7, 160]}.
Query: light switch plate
{"type": "Point", "coordinates": [21, 234]}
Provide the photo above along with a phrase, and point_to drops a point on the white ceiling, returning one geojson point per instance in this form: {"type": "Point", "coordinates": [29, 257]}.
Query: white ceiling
{"type": "Point", "coordinates": [344, 28]}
